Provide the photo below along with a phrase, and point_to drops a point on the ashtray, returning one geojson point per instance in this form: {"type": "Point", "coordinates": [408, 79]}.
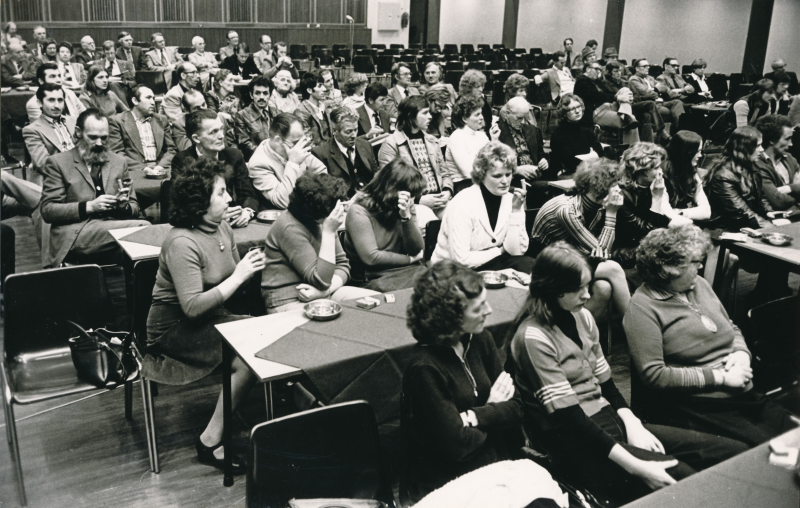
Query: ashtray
{"type": "Point", "coordinates": [494, 280]}
{"type": "Point", "coordinates": [777, 239]}
{"type": "Point", "coordinates": [155, 175]}
{"type": "Point", "coordinates": [268, 216]}
{"type": "Point", "coordinates": [322, 310]}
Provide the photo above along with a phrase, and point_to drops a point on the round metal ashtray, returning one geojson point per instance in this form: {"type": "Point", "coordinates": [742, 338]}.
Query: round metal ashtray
{"type": "Point", "coordinates": [155, 175]}
{"type": "Point", "coordinates": [777, 239]}
{"type": "Point", "coordinates": [268, 216]}
{"type": "Point", "coordinates": [494, 280]}
{"type": "Point", "coordinates": [323, 310]}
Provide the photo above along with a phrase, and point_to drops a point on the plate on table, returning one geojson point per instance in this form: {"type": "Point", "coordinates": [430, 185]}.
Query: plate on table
{"type": "Point", "coordinates": [322, 310]}
{"type": "Point", "coordinates": [268, 216]}
{"type": "Point", "coordinates": [494, 280]}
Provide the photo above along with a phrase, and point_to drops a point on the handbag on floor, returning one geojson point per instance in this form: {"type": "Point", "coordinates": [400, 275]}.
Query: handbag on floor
{"type": "Point", "coordinates": [102, 357]}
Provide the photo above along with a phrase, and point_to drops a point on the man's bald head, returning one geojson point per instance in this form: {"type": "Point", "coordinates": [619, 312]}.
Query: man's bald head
{"type": "Point", "coordinates": [518, 105]}
{"type": "Point", "coordinates": [15, 49]}
{"type": "Point", "coordinates": [87, 43]}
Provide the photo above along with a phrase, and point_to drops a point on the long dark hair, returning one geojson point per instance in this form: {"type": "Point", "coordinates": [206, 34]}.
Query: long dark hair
{"type": "Point", "coordinates": [379, 196]}
{"type": "Point", "coordinates": [679, 173]}
{"type": "Point", "coordinates": [407, 113]}
{"type": "Point", "coordinates": [94, 70]}
{"type": "Point", "coordinates": [736, 157]}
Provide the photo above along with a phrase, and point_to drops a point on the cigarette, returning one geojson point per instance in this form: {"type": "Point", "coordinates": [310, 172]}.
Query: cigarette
{"type": "Point", "coordinates": [524, 185]}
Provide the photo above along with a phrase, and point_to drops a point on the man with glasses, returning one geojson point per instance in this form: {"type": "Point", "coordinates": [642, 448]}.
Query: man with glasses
{"type": "Point", "coordinates": [189, 78]}
{"type": "Point", "coordinates": [606, 109]}
{"type": "Point", "coordinates": [645, 88]}
{"type": "Point", "coordinates": [677, 88]}
{"type": "Point", "coordinates": [160, 58]}
{"type": "Point", "coordinates": [265, 59]}
{"type": "Point", "coordinates": [401, 73]}
{"type": "Point", "coordinates": [780, 66]}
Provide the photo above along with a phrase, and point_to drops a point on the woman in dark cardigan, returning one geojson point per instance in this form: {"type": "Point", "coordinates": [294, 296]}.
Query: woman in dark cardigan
{"type": "Point", "coordinates": [459, 409]}
{"type": "Point", "coordinates": [198, 270]}
{"type": "Point", "coordinates": [571, 138]}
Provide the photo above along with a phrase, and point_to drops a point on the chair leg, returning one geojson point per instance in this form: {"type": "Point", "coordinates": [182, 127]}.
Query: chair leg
{"type": "Point", "coordinates": [11, 423]}
{"type": "Point", "coordinates": [150, 425]}
{"type": "Point", "coordinates": [129, 401]}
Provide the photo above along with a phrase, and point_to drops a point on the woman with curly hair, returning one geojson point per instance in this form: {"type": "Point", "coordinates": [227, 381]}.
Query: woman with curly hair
{"type": "Point", "coordinates": [434, 75]}
{"type": "Point", "coordinates": [98, 96]}
{"type": "Point", "coordinates": [459, 408]}
{"type": "Point", "coordinates": [516, 86]}
{"type": "Point", "coordinates": [472, 84]}
{"type": "Point", "coordinates": [198, 270]}
{"type": "Point", "coordinates": [305, 260]}
{"type": "Point", "coordinates": [439, 103]}
{"type": "Point", "coordinates": [466, 141]}
{"type": "Point", "coordinates": [683, 185]}
{"type": "Point", "coordinates": [354, 88]}
{"type": "Point", "coordinates": [383, 237]}
{"type": "Point", "coordinates": [571, 142]}
{"type": "Point", "coordinates": [573, 409]}
{"type": "Point", "coordinates": [484, 226]}
{"type": "Point", "coordinates": [692, 361]}
{"type": "Point", "coordinates": [222, 97]}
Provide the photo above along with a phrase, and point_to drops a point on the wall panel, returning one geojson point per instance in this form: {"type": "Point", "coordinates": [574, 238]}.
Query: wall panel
{"type": "Point", "coordinates": [300, 11]}
{"type": "Point", "coordinates": [271, 11]}
{"type": "Point", "coordinates": [329, 11]}
{"type": "Point", "coordinates": [138, 11]}
{"type": "Point", "coordinates": [66, 10]}
{"type": "Point", "coordinates": [545, 23]}
{"type": "Point", "coordinates": [357, 9]}
{"type": "Point", "coordinates": [207, 10]}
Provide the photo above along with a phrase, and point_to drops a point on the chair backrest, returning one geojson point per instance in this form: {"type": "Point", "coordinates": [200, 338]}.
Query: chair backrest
{"type": "Point", "coordinates": [656, 71]}
{"type": "Point", "coordinates": [772, 336]}
{"type": "Point", "coordinates": [483, 46]}
{"type": "Point", "coordinates": [37, 304]}
{"type": "Point", "coordinates": [467, 49]}
{"type": "Point", "coordinates": [379, 46]}
{"type": "Point", "coordinates": [320, 51]}
{"type": "Point", "coordinates": [298, 52]}
{"type": "Point", "coordinates": [453, 77]}
{"type": "Point", "coordinates": [318, 46]}
{"type": "Point", "coordinates": [337, 48]}
{"type": "Point", "coordinates": [454, 66]}
{"type": "Point", "coordinates": [478, 65]}
{"type": "Point", "coordinates": [397, 46]}
{"type": "Point", "coordinates": [450, 49]}
{"type": "Point", "coordinates": [384, 64]}
{"type": "Point", "coordinates": [356, 47]}
{"type": "Point", "coordinates": [163, 200]}
{"type": "Point", "coordinates": [433, 46]}
{"type": "Point", "coordinates": [363, 64]}
{"type": "Point", "coordinates": [367, 52]}
{"type": "Point", "coordinates": [331, 452]}
{"type": "Point", "coordinates": [496, 66]}
{"type": "Point", "coordinates": [536, 51]}
{"type": "Point", "coordinates": [498, 96]}
{"type": "Point", "coordinates": [498, 46]}
{"type": "Point", "coordinates": [154, 80]}
{"type": "Point", "coordinates": [431, 237]}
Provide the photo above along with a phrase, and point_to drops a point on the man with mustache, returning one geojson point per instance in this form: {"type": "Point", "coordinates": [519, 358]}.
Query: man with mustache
{"type": "Point", "coordinates": [87, 192]}
{"type": "Point", "coordinates": [252, 122]}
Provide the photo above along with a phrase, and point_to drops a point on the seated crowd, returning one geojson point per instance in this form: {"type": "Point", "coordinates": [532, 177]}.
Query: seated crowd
{"type": "Point", "coordinates": [362, 176]}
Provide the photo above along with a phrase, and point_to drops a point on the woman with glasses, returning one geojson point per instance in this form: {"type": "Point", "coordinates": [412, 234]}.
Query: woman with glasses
{"type": "Point", "coordinates": [572, 142]}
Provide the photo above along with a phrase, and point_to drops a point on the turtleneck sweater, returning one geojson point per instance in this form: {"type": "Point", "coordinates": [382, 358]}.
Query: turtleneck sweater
{"type": "Point", "coordinates": [492, 203]}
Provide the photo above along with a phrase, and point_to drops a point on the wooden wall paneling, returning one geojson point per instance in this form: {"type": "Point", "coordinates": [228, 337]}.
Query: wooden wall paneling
{"type": "Point", "coordinates": [300, 11]}
{"type": "Point", "coordinates": [357, 9]}
{"type": "Point", "coordinates": [208, 10]}
{"type": "Point", "coordinates": [66, 10]}
{"type": "Point", "coordinates": [26, 10]}
{"type": "Point", "coordinates": [139, 10]}
{"type": "Point", "coordinates": [271, 11]}
{"type": "Point", "coordinates": [102, 10]}
{"type": "Point", "coordinates": [329, 11]}
{"type": "Point", "coordinates": [240, 11]}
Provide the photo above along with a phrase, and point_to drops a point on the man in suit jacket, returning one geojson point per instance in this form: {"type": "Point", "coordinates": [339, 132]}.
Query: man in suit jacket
{"type": "Point", "coordinates": [645, 88]}
{"type": "Point", "coordinates": [121, 73]}
{"type": "Point", "coordinates": [779, 65]}
{"type": "Point", "coordinates": [16, 66]}
{"type": "Point", "coordinates": [205, 130]}
{"type": "Point", "coordinates": [345, 155]}
{"type": "Point", "coordinates": [252, 123]}
{"type": "Point", "coordinates": [241, 64]}
{"type": "Point", "coordinates": [373, 120]}
{"type": "Point", "coordinates": [676, 86]}
{"type": "Point", "coordinates": [128, 52]}
{"type": "Point", "coordinates": [401, 73]}
{"type": "Point", "coordinates": [558, 77]}
{"type": "Point", "coordinates": [312, 110]}
{"type": "Point", "coordinates": [87, 53]}
{"type": "Point", "coordinates": [85, 196]}
{"type": "Point", "coordinates": [192, 101]}
{"type": "Point", "coordinates": [140, 135]}
{"type": "Point", "coordinates": [161, 58]}
{"type": "Point", "coordinates": [49, 73]}
{"type": "Point", "coordinates": [51, 133]}
{"type": "Point", "coordinates": [266, 58]}
{"type": "Point", "coordinates": [604, 108]}
{"type": "Point", "coordinates": [171, 105]}
{"type": "Point", "coordinates": [36, 48]}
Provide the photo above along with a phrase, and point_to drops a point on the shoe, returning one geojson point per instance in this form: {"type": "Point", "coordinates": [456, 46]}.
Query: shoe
{"type": "Point", "coordinates": [629, 123]}
{"type": "Point", "coordinates": [205, 454]}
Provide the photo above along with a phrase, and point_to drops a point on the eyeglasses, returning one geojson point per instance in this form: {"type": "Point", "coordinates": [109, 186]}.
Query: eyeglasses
{"type": "Point", "coordinates": [403, 74]}
{"type": "Point", "coordinates": [574, 108]}
{"type": "Point", "coordinates": [643, 66]}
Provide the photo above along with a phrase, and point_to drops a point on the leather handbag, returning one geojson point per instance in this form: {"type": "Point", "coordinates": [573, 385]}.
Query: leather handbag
{"type": "Point", "coordinates": [102, 357]}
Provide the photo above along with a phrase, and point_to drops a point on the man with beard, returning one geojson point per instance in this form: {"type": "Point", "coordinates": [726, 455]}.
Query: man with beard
{"type": "Point", "coordinates": [87, 192]}
{"type": "Point", "coordinates": [252, 123]}
{"type": "Point", "coordinates": [283, 99]}
{"type": "Point", "coordinates": [171, 106]}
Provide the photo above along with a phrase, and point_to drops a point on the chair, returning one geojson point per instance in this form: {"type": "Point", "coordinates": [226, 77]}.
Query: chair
{"type": "Point", "coordinates": [453, 78]}
{"type": "Point", "coordinates": [434, 47]}
{"type": "Point", "coordinates": [154, 80]}
{"type": "Point", "coordinates": [454, 66]}
{"type": "Point", "coordinates": [363, 64]}
{"type": "Point", "coordinates": [384, 64]}
{"type": "Point", "coordinates": [401, 47]}
{"type": "Point", "coordinates": [379, 46]}
{"type": "Point", "coordinates": [330, 452]}
{"type": "Point", "coordinates": [467, 49]}
{"type": "Point", "coordinates": [498, 46]}
{"type": "Point", "coordinates": [36, 364]}
{"type": "Point", "coordinates": [357, 47]}
{"type": "Point", "coordinates": [450, 49]}
{"type": "Point", "coordinates": [325, 59]}
{"type": "Point", "coordinates": [431, 237]}
{"type": "Point", "coordinates": [298, 52]}
{"type": "Point", "coordinates": [735, 90]}
{"type": "Point", "coordinates": [367, 52]}
{"type": "Point", "coordinates": [479, 65]}
{"type": "Point", "coordinates": [345, 55]}
{"type": "Point", "coordinates": [498, 96]}
{"type": "Point", "coordinates": [498, 66]}
{"type": "Point", "coordinates": [656, 71]}
{"type": "Point", "coordinates": [536, 51]}
{"type": "Point", "coordinates": [481, 47]}
{"type": "Point", "coordinates": [772, 340]}
{"type": "Point", "coordinates": [408, 58]}
{"type": "Point", "coordinates": [686, 69]}
{"type": "Point", "coordinates": [318, 50]}
{"type": "Point", "coordinates": [336, 49]}
{"type": "Point", "coordinates": [473, 57]}
{"type": "Point", "coordinates": [717, 85]}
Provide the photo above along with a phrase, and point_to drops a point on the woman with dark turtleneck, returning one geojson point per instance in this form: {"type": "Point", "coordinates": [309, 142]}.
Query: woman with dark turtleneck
{"type": "Point", "coordinates": [199, 269]}
{"type": "Point", "coordinates": [571, 138]}
{"type": "Point", "coordinates": [484, 225]}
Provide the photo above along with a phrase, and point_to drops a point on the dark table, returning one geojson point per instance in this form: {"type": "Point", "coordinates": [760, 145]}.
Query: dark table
{"type": "Point", "coordinates": [148, 190]}
{"type": "Point", "coordinates": [13, 103]}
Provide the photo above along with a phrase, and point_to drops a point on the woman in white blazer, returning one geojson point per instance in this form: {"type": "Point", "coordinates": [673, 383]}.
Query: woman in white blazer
{"type": "Point", "coordinates": [484, 225]}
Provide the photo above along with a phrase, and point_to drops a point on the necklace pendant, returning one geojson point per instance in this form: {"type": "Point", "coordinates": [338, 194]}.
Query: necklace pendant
{"type": "Point", "coordinates": [221, 246]}
{"type": "Point", "coordinates": [708, 323]}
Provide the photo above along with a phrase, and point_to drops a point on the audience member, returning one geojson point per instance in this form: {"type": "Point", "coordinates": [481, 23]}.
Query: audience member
{"type": "Point", "coordinates": [572, 141]}
{"type": "Point", "coordinates": [284, 62]}
{"type": "Point", "coordinates": [233, 45]}
{"type": "Point", "coordinates": [312, 110]}
{"type": "Point", "coordinates": [121, 73]}
{"type": "Point", "coordinates": [82, 210]}
{"type": "Point", "coordinates": [222, 96]}
{"type": "Point", "coordinates": [645, 112]}
{"type": "Point", "coordinates": [558, 77]}
{"type": "Point", "coordinates": [421, 150]}
{"type": "Point", "coordinates": [241, 64]}
{"type": "Point", "coordinates": [779, 65]}
{"type": "Point", "coordinates": [128, 52]}
{"type": "Point", "coordinates": [610, 55]}
{"type": "Point", "coordinates": [205, 129]}
{"type": "Point", "coordinates": [345, 155]}
{"type": "Point", "coordinates": [21, 198]}
{"type": "Point", "coordinates": [265, 58]}
{"type": "Point", "coordinates": [568, 53]}
{"type": "Point", "coordinates": [205, 62]}
{"type": "Point", "coordinates": [50, 52]}
{"type": "Point", "coordinates": [783, 100]}
{"type": "Point", "coordinates": [605, 109]}
{"type": "Point", "coordinates": [401, 75]}
{"type": "Point", "coordinates": [277, 164]}
{"type": "Point", "coordinates": [588, 56]}
{"type": "Point", "coordinates": [697, 80]}
{"type": "Point", "coordinates": [87, 54]}
{"type": "Point", "coordinates": [143, 137]}
{"type": "Point", "coordinates": [434, 75]}
{"type": "Point", "coordinates": [163, 59]}
{"type": "Point", "coordinates": [354, 87]}
{"type": "Point", "coordinates": [49, 73]}
{"type": "Point", "coordinates": [305, 261]}
{"type": "Point", "coordinates": [15, 68]}
{"type": "Point", "coordinates": [334, 97]}
{"type": "Point", "coordinates": [465, 142]}
{"type": "Point", "coordinates": [373, 120]}
{"type": "Point", "coordinates": [98, 95]}
{"type": "Point", "coordinates": [527, 141]}
{"type": "Point", "coordinates": [751, 107]}
{"type": "Point", "coordinates": [484, 225]}
{"type": "Point", "coordinates": [454, 423]}
{"type": "Point", "coordinates": [10, 32]}
{"type": "Point", "coordinates": [586, 218]}
{"type": "Point", "coordinates": [171, 104]}
{"type": "Point", "coordinates": [37, 48]}
{"type": "Point", "coordinates": [191, 101]}
{"type": "Point", "coordinates": [199, 269]}
{"type": "Point", "coordinates": [283, 99]}
{"type": "Point", "coordinates": [472, 84]}
{"type": "Point", "coordinates": [438, 99]}
{"type": "Point", "coordinates": [683, 185]}
{"type": "Point", "coordinates": [516, 86]}
{"type": "Point", "coordinates": [572, 405]}
{"type": "Point", "coordinates": [695, 373]}
{"type": "Point", "coordinates": [73, 75]}
{"type": "Point", "coordinates": [52, 132]}
{"type": "Point", "coordinates": [383, 240]}
{"type": "Point", "coordinates": [252, 123]}
{"type": "Point", "coordinates": [671, 79]}
{"type": "Point", "coordinates": [780, 173]}
{"type": "Point", "coordinates": [646, 88]}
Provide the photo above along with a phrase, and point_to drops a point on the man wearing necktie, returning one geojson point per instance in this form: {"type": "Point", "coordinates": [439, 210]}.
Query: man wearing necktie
{"type": "Point", "coordinates": [40, 36]}
{"type": "Point", "coordinates": [127, 51]}
{"type": "Point", "coordinates": [401, 73]}
{"type": "Point", "coordinates": [87, 53]}
{"type": "Point", "coordinates": [160, 59]}
{"type": "Point", "coordinates": [50, 73]}
{"type": "Point", "coordinates": [373, 120]}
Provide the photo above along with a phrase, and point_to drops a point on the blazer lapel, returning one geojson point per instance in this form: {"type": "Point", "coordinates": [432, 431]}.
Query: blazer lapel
{"type": "Point", "coordinates": [363, 119]}
{"type": "Point", "coordinates": [80, 165]}
{"type": "Point", "coordinates": [338, 157]}
{"type": "Point", "coordinates": [364, 158]}
{"type": "Point", "coordinates": [51, 135]}
{"type": "Point", "coordinates": [105, 171]}
{"type": "Point", "coordinates": [133, 132]}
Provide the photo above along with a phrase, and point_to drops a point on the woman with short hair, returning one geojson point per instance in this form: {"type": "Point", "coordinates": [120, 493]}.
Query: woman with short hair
{"type": "Point", "coordinates": [354, 87]}
{"type": "Point", "coordinates": [472, 84]}
{"type": "Point", "coordinates": [199, 269]}
{"type": "Point", "coordinates": [49, 52]}
{"type": "Point", "coordinates": [466, 141]}
{"type": "Point", "coordinates": [571, 138]}
{"type": "Point", "coordinates": [516, 86]}
{"type": "Point", "coordinates": [459, 408]}
{"type": "Point", "coordinates": [222, 97]}
{"type": "Point", "coordinates": [98, 96]}
{"type": "Point", "coordinates": [683, 185]}
{"type": "Point", "coordinates": [439, 103]}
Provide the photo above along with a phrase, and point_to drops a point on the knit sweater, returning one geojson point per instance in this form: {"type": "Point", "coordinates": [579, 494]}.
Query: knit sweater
{"type": "Point", "coordinates": [576, 220]}
{"type": "Point", "coordinates": [671, 348]}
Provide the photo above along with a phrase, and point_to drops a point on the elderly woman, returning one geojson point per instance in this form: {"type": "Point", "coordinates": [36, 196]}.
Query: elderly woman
{"type": "Point", "coordinates": [354, 87]}
{"type": "Point", "coordinates": [472, 84]}
{"type": "Point", "coordinates": [305, 260]}
{"type": "Point", "coordinates": [50, 52]}
{"type": "Point", "coordinates": [222, 98]}
{"type": "Point", "coordinates": [198, 270]}
{"type": "Point", "coordinates": [412, 142]}
{"type": "Point", "coordinates": [484, 225]}
{"type": "Point", "coordinates": [572, 142]}
{"type": "Point", "coordinates": [434, 75]}
{"type": "Point", "coordinates": [383, 239]}
{"type": "Point", "coordinates": [692, 360]}
{"type": "Point", "coordinates": [572, 407]}
{"type": "Point", "coordinates": [459, 409]}
{"type": "Point", "coordinates": [683, 185]}
{"type": "Point", "coordinates": [586, 218]}
{"type": "Point", "coordinates": [206, 63]}
{"type": "Point", "coordinates": [97, 94]}
{"type": "Point", "coordinates": [466, 141]}
{"type": "Point", "coordinates": [439, 104]}
{"type": "Point", "coordinates": [751, 107]}
{"type": "Point", "coordinates": [73, 75]}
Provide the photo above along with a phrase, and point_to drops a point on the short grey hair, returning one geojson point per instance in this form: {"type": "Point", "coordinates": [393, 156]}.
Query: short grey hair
{"type": "Point", "coordinates": [492, 153]}
{"type": "Point", "coordinates": [664, 253]}
{"type": "Point", "coordinates": [196, 40]}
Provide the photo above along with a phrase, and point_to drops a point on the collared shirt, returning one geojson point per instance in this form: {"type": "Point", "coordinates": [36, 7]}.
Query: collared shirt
{"type": "Point", "coordinates": [264, 61]}
{"type": "Point", "coordinates": [146, 135]}
{"type": "Point", "coordinates": [567, 81]}
{"type": "Point", "coordinates": [68, 72]}
{"type": "Point", "coordinates": [779, 166]}
{"type": "Point", "coordinates": [373, 116]}
{"type": "Point", "coordinates": [701, 81]}
{"type": "Point", "coordinates": [62, 132]}
{"type": "Point", "coordinates": [114, 67]}
{"type": "Point", "coordinates": [16, 67]}
{"type": "Point", "coordinates": [403, 91]}
{"type": "Point", "coordinates": [344, 149]}
{"type": "Point", "coordinates": [128, 54]}
{"type": "Point", "coordinates": [200, 154]}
